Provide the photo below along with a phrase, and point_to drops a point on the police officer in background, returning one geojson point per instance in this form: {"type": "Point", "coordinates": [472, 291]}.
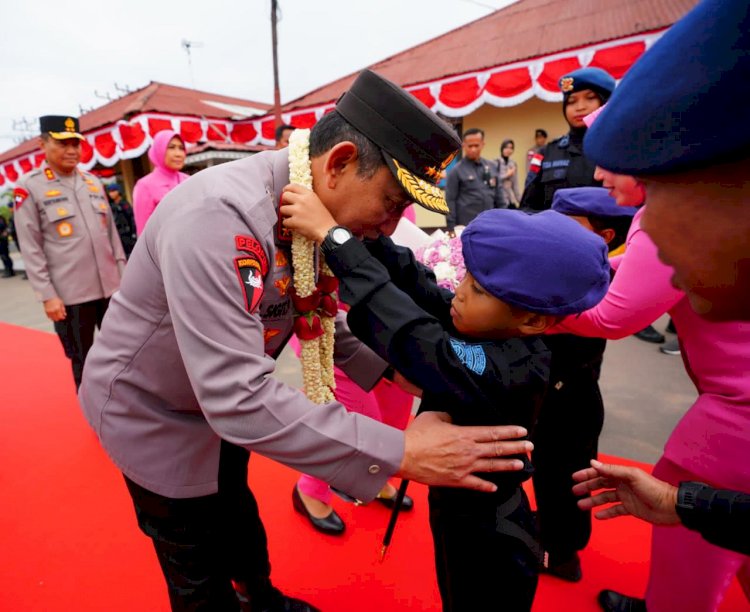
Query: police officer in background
{"type": "Point", "coordinates": [71, 249]}
{"type": "Point", "coordinates": [562, 163]}
{"type": "Point", "coordinates": [473, 185]}
{"type": "Point", "coordinates": [124, 219]}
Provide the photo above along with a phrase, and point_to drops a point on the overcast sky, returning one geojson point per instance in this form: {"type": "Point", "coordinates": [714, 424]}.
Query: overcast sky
{"type": "Point", "coordinates": [57, 55]}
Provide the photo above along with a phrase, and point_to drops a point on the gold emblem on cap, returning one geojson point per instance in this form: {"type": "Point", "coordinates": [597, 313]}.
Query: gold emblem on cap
{"type": "Point", "coordinates": [424, 193]}
{"type": "Point", "coordinates": [436, 173]}
{"type": "Point", "coordinates": [70, 125]}
{"type": "Point", "coordinates": [566, 84]}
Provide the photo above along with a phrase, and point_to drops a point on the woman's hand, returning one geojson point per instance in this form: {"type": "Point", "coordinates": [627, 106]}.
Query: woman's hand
{"type": "Point", "coordinates": [303, 212]}
{"type": "Point", "coordinates": [631, 490]}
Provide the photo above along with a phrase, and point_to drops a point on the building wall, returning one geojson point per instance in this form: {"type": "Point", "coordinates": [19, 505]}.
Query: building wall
{"type": "Point", "coordinates": [515, 122]}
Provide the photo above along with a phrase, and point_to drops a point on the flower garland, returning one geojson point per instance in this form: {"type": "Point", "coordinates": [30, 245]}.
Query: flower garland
{"type": "Point", "coordinates": [316, 305]}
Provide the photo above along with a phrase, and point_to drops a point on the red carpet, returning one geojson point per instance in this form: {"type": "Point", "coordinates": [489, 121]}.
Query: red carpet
{"type": "Point", "coordinates": [70, 542]}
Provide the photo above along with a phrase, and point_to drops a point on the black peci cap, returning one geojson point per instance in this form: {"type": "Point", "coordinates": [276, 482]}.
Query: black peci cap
{"type": "Point", "coordinates": [417, 145]}
{"type": "Point", "coordinates": [60, 127]}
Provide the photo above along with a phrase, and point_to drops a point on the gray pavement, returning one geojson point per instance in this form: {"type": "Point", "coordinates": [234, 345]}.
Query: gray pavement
{"type": "Point", "coordinates": [645, 392]}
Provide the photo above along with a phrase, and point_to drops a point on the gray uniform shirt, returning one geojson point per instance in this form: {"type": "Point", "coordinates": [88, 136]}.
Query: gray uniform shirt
{"type": "Point", "coordinates": [472, 187]}
{"type": "Point", "coordinates": [185, 353]}
{"type": "Point", "coordinates": [71, 248]}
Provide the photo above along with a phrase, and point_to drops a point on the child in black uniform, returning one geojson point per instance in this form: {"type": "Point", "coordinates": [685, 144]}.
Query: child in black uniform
{"type": "Point", "coordinates": [477, 356]}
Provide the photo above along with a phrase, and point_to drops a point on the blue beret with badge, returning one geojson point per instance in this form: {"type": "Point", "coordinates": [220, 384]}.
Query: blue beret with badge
{"type": "Point", "coordinates": [589, 202]}
{"type": "Point", "coordinates": [544, 263]}
{"type": "Point", "coordinates": [684, 103]}
{"type": "Point", "coordinates": [595, 79]}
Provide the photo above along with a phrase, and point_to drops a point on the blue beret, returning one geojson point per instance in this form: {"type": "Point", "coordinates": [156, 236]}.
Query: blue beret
{"type": "Point", "coordinates": [113, 187]}
{"type": "Point", "coordinates": [595, 79]}
{"type": "Point", "coordinates": [589, 201]}
{"type": "Point", "coordinates": [544, 263]}
{"type": "Point", "coordinates": [685, 101]}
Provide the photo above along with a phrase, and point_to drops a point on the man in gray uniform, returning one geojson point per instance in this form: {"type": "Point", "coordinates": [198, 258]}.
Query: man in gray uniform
{"type": "Point", "coordinates": [71, 248]}
{"type": "Point", "coordinates": [178, 385]}
{"type": "Point", "coordinates": [473, 185]}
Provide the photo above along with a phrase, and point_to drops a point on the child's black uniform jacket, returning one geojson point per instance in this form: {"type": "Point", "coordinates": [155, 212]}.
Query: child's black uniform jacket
{"type": "Point", "coordinates": [399, 311]}
{"type": "Point", "coordinates": [481, 540]}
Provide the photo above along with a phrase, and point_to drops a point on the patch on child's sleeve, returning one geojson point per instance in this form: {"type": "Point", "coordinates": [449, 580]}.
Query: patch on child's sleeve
{"type": "Point", "coordinates": [250, 275]}
{"type": "Point", "coordinates": [471, 355]}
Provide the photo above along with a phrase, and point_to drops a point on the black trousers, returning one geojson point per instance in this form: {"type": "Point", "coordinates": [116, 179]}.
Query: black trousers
{"type": "Point", "coordinates": [76, 332]}
{"type": "Point", "coordinates": [486, 556]}
{"type": "Point", "coordinates": [204, 544]}
{"type": "Point", "coordinates": [5, 255]}
{"type": "Point", "coordinates": [566, 438]}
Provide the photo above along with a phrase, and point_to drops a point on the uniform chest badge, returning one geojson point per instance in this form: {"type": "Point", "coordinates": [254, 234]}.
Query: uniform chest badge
{"type": "Point", "coordinates": [64, 229]}
{"type": "Point", "coordinates": [281, 259]}
{"type": "Point", "coordinates": [49, 174]}
{"type": "Point", "coordinates": [93, 189]}
{"type": "Point", "coordinates": [103, 207]}
{"type": "Point", "coordinates": [61, 212]}
{"type": "Point", "coordinates": [19, 197]}
{"type": "Point", "coordinates": [51, 193]}
{"type": "Point", "coordinates": [471, 355]}
{"type": "Point", "coordinates": [282, 284]}
{"type": "Point", "coordinates": [268, 334]}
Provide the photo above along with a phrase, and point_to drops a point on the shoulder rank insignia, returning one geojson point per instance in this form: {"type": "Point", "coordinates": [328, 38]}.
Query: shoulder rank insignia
{"type": "Point", "coordinates": [49, 174]}
{"type": "Point", "coordinates": [19, 197]}
{"type": "Point", "coordinates": [471, 355]}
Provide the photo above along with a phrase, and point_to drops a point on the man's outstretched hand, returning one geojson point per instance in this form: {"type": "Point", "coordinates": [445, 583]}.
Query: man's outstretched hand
{"type": "Point", "coordinates": [438, 453]}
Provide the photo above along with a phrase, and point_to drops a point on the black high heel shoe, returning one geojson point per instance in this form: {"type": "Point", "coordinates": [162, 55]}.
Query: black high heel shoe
{"type": "Point", "coordinates": [389, 502]}
{"type": "Point", "coordinates": [330, 525]}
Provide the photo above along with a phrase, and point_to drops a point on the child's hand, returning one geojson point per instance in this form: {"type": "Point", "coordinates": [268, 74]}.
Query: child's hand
{"type": "Point", "coordinates": [303, 212]}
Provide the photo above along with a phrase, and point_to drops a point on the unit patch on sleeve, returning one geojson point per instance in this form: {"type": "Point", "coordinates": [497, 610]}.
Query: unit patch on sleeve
{"type": "Point", "coordinates": [250, 276]}
{"type": "Point", "coordinates": [471, 355]}
{"type": "Point", "coordinates": [252, 246]}
{"type": "Point", "coordinates": [19, 197]}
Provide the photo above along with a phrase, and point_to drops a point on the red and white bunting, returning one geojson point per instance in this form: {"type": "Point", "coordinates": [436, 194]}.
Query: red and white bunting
{"type": "Point", "coordinates": [457, 96]}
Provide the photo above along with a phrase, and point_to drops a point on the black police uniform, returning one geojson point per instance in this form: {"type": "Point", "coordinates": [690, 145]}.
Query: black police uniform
{"type": "Point", "coordinates": [572, 415]}
{"type": "Point", "coordinates": [566, 438]}
{"type": "Point", "coordinates": [486, 554]}
{"type": "Point", "coordinates": [564, 165]}
{"type": "Point", "coordinates": [471, 188]}
{"type": "Point", "coordinates": [125, 224]}
{"type": "Point", "coordinates": [4, 252]}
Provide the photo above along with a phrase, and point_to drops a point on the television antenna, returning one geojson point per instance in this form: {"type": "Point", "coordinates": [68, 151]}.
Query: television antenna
{"type": "Point", "coordinates": [188, 45]}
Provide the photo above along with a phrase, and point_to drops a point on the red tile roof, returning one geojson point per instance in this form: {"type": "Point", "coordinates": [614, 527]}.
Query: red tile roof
{"type": "Point", "coordinates": [524, 30]}
{"type": "Point", "coordinates": [158, 98]}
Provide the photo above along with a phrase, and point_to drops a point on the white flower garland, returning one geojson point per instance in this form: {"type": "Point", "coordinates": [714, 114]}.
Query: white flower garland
{"type": "Point", "coordinates": [317, 354]}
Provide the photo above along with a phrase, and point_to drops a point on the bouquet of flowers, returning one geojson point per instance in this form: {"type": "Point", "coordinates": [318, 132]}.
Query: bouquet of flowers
{"type": "Point", "coordinates": [443, 256]}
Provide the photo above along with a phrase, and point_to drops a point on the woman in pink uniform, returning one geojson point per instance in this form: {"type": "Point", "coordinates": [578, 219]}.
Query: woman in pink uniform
{"type": "Point", "coordinates": [167, 153]}
{"type": "Point", "coordinates": [386, 403]}
{"type": "Point", "coordinates": [711, 443]}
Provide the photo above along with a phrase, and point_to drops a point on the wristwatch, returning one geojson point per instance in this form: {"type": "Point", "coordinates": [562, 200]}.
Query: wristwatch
{"type": "Point", "coordinates": [335, 237]}
{"type": "Point", "coordinates": [687, 497]}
